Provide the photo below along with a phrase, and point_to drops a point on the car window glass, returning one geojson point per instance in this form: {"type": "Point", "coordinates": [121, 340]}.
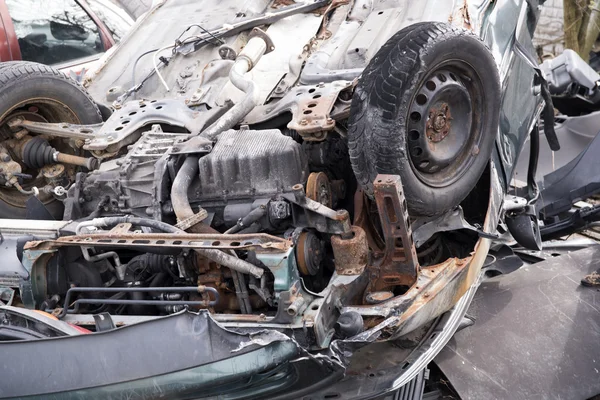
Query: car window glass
{"type": "Point", "coordinates": [116, 19]}
{"type": "Point", "coordinates": [54, 31]}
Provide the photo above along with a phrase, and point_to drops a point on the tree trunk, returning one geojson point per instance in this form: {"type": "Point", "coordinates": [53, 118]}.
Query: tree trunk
{"type": "Point", "coordinates": [582, 25]}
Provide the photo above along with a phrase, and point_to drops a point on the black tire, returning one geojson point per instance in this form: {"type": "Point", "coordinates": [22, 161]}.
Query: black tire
{"type": "Point", "coordinates": [6, 64]}
{"type": "Point", "coordinates": [57, 98]}
{"type": "Point", "coordinates": [439, 163]}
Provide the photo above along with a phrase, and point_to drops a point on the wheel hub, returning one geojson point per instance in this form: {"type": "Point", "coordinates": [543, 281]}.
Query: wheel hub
{"type": "Point", "coordinates": [13, 139]}
{"type": "Point", "coordinates": [438, 124]}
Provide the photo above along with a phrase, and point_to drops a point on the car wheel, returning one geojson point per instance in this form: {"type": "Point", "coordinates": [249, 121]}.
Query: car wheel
{"type": "Point", "coordinates": [39, 93]}
{"type": "Point", "coordinates": [426, 109]}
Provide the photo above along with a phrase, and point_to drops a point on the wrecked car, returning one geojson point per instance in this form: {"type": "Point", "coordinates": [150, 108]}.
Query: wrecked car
{"type": "Point", "coordinates": [279, 191]}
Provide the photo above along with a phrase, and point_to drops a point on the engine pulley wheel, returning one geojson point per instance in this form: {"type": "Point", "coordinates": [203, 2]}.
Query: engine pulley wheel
{"type": "Point", "coordinates": [318, 188]}
{"type": "Point", "coordinates": [309, 253]}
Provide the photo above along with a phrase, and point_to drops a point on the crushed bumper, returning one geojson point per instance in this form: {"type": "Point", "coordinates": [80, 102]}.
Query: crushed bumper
{"type": "Point", "coordinates": [179, 356]}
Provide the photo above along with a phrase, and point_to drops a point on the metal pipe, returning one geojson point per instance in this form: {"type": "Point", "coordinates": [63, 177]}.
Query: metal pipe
{"type": "Point", "coordinates": [534, 155]}
{"type": "Point", "coordinates": [230, 261]}
{"type": "Point", "coordinates": [179, 191]}
{"type": "Point", "coordinates": [241, 292]}
{"type": "Point", "coordinates": [90, 163]}
{"type": "Point", "coordinates": [245, 61]}
{"type": "Point", "coordinates": [121, 269]}
{"type": "Point", "coordinates": [193, 289]}
{"type": "Point", "coordinates": [296, 306]}
{"type": "Point", "coordinates": [215, 255]}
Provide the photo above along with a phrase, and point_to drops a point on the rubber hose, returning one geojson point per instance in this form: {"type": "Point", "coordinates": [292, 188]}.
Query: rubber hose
{"type": "Point", "coordinates": [112, 221]}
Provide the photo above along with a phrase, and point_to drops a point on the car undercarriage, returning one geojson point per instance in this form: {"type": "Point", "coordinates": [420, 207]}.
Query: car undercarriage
{"type": "Point", "coordinates": [243, 169]}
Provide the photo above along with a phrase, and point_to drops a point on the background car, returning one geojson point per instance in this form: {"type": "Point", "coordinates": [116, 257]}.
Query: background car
{"type": "Point", "coordinates": [69, 35]}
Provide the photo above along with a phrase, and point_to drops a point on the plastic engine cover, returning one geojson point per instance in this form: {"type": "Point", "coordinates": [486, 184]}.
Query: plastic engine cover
{"type": "Point", "coordinates": [250, 164]}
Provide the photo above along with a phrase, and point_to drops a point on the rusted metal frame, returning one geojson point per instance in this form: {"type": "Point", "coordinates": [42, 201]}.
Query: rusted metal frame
{"type": "Point", "coordinates": [399, 264]}
{"type": "Point", "coordinates": [362, 218]}
{"type": "Point", "coordinates": [430, 281]}
{"type": "Point", "coordinates": [259, 242]}
{"type": "Point", "coordinates": [438, 288]}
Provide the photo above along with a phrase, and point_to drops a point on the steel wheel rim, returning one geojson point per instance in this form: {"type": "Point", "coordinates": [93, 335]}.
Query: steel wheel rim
{"type": "Point", "coordinates": [444, 129]}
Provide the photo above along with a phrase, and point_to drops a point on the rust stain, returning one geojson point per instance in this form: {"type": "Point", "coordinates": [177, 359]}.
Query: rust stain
{"type": "Point", "coordinates": [461, 17]}
{"type": "Point", "coordinates": [258, 241]}
{"type": "Point", "coordinates": [362, 204]}
{"type": "Point", "coordinates": [439, 123]}
{"type": "Point", "coordinates": [399, 264]}
{"type": "Point", "coordinates": [446, 272]}
{"type": "Point", "coordinates": [312, 115]}
{"type": "Point", "coordinates": [351, 254]}
{"type": "Point", "coordinates": [464, 16]}
{"type": "Point", "coordinates": [333, 5]}
{"type": "Point", "coordinates": [282, 3]}
{"type": "Point", "coordinates": [318, 188]}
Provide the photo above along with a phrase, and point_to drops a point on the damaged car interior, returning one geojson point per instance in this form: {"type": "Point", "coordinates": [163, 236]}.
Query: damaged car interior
{"type": "Point", "coordinates": [297, 183]}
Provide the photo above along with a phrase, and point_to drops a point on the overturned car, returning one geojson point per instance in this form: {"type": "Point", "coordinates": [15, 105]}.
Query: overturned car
{"type": "Point", "coordinates": [278, 191]}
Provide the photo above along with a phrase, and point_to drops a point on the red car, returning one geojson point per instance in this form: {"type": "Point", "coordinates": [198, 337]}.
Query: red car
{"type": "Point", "coordinates": [67, 34]}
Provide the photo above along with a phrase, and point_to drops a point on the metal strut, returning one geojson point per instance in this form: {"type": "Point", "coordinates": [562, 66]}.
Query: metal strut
{"type": "Point", "coordinates": [399, 264]}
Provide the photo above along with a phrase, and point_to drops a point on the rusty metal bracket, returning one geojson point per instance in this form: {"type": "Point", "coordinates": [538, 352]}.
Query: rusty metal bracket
{"type": "Point", "coordinates": [399, 264]}
{"type": "Point", "coordinates": [317, 215]}
{"type": "Point", "coordinates": [311, 106]}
